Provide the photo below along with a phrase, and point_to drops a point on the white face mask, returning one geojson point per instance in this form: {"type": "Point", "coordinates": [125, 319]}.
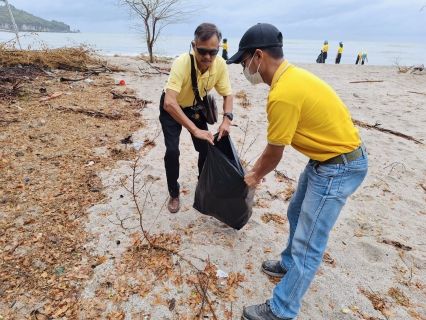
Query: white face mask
{"type": "Point", "coordinates": [253, 78]}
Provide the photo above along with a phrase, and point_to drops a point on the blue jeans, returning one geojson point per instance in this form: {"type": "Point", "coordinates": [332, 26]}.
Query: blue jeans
{"type": "Point", "coordinates": [314, 208]}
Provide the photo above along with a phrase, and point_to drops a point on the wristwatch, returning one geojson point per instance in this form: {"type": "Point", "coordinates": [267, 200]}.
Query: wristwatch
{"type": "Point", "coordinates": [229, 115]}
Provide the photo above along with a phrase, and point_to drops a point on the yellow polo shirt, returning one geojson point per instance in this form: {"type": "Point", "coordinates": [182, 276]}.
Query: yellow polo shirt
{"type": "Point", "coordinates": [180, 79]}
{"type": "Point", "coordinates": [339, 49]}
{"type": "Point", "coordinates": [225, 46]}
{"type": "Point", "coordinates": [325, 48]}
{"type": "Point", "coordinates": [303, 111]}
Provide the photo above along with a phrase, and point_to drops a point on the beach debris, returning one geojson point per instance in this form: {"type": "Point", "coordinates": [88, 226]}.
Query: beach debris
{"type": "Point", "coordinates": [377, 125]}
{"type": "Point", "coordinates": [399, 296]}
{"type": "Point", "coordinates": [221, 274]}
{"type": "Point", "coordinates": [276, 218]}
{"type": "Point", "coordinates": [366, 81]}
{"type": "Point", "coordinates": [159, 70]}
{"type": "Point", "coordinates": [423, 186]}
{"type": "Point", "coordinates": [172, 304]}
{"type": "Point", "coordinates": [328, 259]}
{"type": "Point", "coordinates": [116, 95]}
{"type": "Point", "coordinates": [356, 95]}
{"type": "Point", "coordinates": [397, 244]}
{"type": "Point", "coordinates": [417, 92]}
{"type": "Point", "coordinates": [122, 82]}
{"type": "Point", "coordinates": [92, 113]}
{"type": "Point", "coordinates": [127, 140]}
{"type": "Point", "coordinates": [379, 303]}
{"type": "Point", "coordinates": [244, 101]}
{"type": "Point", "coordinates": [59, 270]}
{"type": "Point", "coordinates": [52, 96]}
{"type": "Point", "coordinates": [137, 145]}
{"type": "Point", "coordinates": [282, 175]}
{"type": "Point", "coordinates": [101, 260]}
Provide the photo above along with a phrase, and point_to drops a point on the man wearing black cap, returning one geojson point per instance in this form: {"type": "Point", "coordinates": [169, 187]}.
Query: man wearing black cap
{"type": "Point", "coordinates": [303, 111]}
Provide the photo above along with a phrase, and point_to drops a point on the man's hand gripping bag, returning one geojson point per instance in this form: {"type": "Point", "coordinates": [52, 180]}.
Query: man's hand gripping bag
{"type": "Point", "coordinates": [221, 191]}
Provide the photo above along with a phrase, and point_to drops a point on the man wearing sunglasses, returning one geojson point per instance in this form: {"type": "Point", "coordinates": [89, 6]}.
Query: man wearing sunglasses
{"type": "Point", "coordinates": [178, 106]}
{"type": "Point", "coordinates": [305, 112]}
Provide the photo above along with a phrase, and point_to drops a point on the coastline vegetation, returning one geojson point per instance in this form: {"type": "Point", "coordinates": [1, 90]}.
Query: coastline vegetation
{"type": "Point", "coordinates": [27, 22]}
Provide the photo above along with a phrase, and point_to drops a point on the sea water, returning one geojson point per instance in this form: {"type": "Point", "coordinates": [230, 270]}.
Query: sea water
{"type": "Point", "coordinates": [295, 50]}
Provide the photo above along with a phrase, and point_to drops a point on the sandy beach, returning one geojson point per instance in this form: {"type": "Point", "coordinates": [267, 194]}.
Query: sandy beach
{"type": "Point", "coordinates": [375, 262]}
{"type": "Point", "coordinates": [389, 206]}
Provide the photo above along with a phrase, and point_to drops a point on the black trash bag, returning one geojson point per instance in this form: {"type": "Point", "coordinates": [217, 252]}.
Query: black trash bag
{"type": "Point", "coordinates": [221, 191]}
{"type": "Point", "coordinates": [319, 59]}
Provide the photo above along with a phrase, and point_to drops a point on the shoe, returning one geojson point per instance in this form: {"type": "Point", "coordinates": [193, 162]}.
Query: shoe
{"type": "Point", "coordinates": [261, 312]}
{"type": "Point", "coordinates": [273, 268]}
{"type": "Point", "coordinates": [174, 204]}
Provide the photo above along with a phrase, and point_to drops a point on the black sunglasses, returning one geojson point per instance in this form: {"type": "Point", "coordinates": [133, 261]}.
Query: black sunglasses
{"type": "Point", "coordinates": [243, 62]}
{"type": "Point", "coordinates": [203, 52]}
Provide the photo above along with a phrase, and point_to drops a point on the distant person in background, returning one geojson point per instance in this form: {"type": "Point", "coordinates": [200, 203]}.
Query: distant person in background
{"type": "Point", "coordinates": [324, 51]}
{"type": "Point", "coordinates": [361, 58]}
{"type": "Point", "coordinates": [339, 52]}
{"type": "Point", "coordinates": [224, 46]}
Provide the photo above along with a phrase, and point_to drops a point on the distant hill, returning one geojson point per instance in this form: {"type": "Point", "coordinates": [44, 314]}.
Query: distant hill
{"type": "Point", "coordinates": [27, 22]}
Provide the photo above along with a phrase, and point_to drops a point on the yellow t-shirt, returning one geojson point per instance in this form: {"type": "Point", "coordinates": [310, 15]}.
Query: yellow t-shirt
{"type": "Point", "coordinates": [304, 112]}
{"type": "Point", "coordinates": [225, 46]}
{"type": "Point", "coordinates": [340, 49]}
{"type": "Point", "coordinates": [180, 79]}
{"type": "Point", "coordinates": [325, 48]}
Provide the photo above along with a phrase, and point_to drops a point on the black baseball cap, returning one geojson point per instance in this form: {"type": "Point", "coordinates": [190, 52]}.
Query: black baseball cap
{"type": "Point", "coordinates": [261, 35]}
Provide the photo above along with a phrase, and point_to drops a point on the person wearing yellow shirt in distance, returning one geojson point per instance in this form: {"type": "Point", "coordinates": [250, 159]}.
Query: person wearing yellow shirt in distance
{"type": "Point", "coordinates": [178, 104]}
{"type": "Point", "coordinates": [305, 112]}
{"type": "Point", "coordinates": [324, 51]}
{"type": "Point", "coordinates": [224, 46]}
{"type": "Point", "coordinates": [339, 52]}
{"type": "Point", "coordinates": [361, 58]}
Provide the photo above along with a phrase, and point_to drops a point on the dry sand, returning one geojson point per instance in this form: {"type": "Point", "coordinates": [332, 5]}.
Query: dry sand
{"type": "Point", "coordinates": [389, 205]}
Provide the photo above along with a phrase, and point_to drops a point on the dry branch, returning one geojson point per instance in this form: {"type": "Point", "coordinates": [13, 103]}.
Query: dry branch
{"type": "Point", "coordinates": [366, 81]}
{"type": "Point", "coordinates": [92, 113]}
{"type": "Point", "coordinates": [377, 125]}
{"type": "Point", "coordinates": [418, 92]}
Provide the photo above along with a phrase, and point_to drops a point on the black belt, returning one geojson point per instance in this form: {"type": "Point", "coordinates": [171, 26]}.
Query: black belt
{"type": "Point", "coordinates": [350, 156]}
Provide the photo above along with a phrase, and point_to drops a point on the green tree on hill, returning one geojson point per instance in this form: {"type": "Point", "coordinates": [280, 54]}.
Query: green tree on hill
{"type": "Point", "coordinates": [29, 22]}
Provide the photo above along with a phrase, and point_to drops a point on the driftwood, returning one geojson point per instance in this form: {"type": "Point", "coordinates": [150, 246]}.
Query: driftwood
{"type": "Point", "coordinates": [116, 95]}
{"type": "Point", "coordinates": [418, 92]}
{"type": "Point", "coordinates": [62, 79]}
{"type": "Point", "coordinates": [158, 69]}
{"type": "Point", "coordinates": [93, 113]}
{"type": "Point", "coordinates": [366, 81]}
{"type": "Point", "coordinates": [377, 125]}
{"type": "Point", "coordinates": [9, 121]}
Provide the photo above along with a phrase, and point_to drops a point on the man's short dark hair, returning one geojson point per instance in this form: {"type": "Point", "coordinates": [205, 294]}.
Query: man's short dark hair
{"type": "Point", "coordinates": [205, 31]}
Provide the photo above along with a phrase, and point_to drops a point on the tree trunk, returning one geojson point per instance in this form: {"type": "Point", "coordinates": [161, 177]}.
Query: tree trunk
{"type": "Point", "coordinates": [151, 56]}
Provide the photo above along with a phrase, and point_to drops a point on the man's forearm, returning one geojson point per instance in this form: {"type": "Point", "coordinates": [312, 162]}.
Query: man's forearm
{"type": "Point", "coordinates": [227, 104]}
{"type": "Point", "coordinates": [268, 161]}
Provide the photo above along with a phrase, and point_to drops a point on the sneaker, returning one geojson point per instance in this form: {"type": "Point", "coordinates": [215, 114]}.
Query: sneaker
{"type": "Point", "coordinates": [260, 312]}
{"type": "Point", "coordinates": [174, 204]}
{"type": "Point", "coordinates": [273, 268]}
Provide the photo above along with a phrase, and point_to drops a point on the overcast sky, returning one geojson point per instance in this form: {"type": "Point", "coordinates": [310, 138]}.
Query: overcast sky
{"type": "Point", "coordinates": [374, 20]}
